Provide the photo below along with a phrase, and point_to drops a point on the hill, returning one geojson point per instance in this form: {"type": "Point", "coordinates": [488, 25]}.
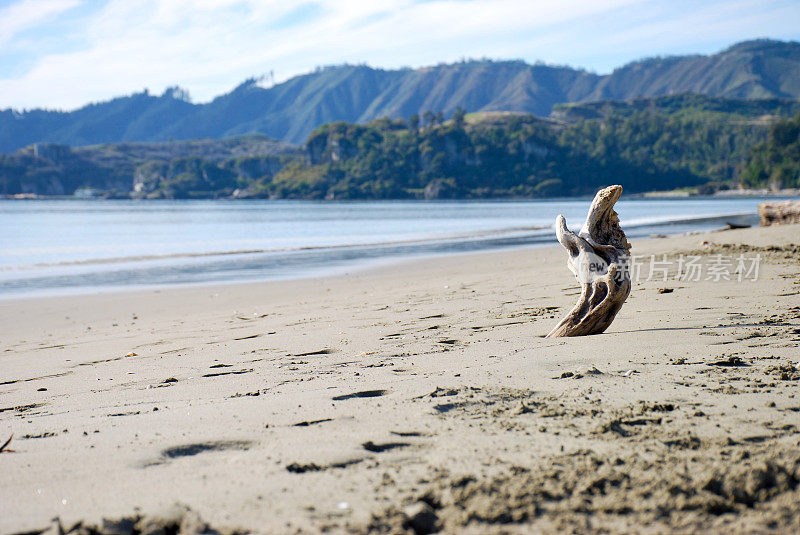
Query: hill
{"type": "Point", "coordinates": [649, 144]}
{"type": "Point", "coordinates": [645, 144]}
{"type": "Point", "coordinates": [290, 111]}
{"type": "Point", "coordinates": [775, 163]}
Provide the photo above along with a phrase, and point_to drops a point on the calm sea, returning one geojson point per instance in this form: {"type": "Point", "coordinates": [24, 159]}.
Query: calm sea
{"type": "Point", "coordinates": [64, 246]}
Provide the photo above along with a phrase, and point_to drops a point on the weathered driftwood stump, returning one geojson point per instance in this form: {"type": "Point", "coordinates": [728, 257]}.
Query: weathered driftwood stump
{"type": "Point", "coordinates": [779, 213]}
{"type": "Point", "coordinates": [599, 259]}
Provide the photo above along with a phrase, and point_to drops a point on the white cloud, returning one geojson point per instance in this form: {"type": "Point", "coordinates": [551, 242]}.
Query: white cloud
{"type": "Point", "coordinates": [208, 46]}
{"type": "Point", "coordinates": [26, 14]}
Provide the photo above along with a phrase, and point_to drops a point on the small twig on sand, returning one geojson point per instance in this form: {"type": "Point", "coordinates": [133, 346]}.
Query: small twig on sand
{"type": "Point", "coordinates": [6, 443]}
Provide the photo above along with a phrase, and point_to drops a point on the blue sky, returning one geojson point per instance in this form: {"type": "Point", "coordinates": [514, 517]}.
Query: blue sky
{"type": "Point", "coordinates": [61, 54]}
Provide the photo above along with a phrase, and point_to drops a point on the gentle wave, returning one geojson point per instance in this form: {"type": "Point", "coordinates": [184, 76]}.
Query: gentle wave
{"type": "Point", "coordinates": [519, 232]}
{"type": "Point", "coordinates": [511, 231]}
{"type": "Point", "coordinates": [668, 220]}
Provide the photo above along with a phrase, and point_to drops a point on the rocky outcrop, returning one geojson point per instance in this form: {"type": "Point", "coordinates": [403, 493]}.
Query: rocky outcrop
{"type": "Point", "coordinates": [51, 151]}
{"type": "Point", "coordinates": [256, 167]}
{"type": "Point", "coordinates": [442, 188]}
{"type": "Point", "coordinates": [329, 147]}
{"type": "Point", "coordinates": [149, 176]}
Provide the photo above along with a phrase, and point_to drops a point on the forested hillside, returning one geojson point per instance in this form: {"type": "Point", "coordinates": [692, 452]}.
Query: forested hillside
{"type": "Point", "coordinates": [203, 168]}
{"type": "Point", "coordinates": [647, 144]}
{"type": "Point", "coordinates": [654, 144]}
{"type": "Point", "coordinates": [775, 163]}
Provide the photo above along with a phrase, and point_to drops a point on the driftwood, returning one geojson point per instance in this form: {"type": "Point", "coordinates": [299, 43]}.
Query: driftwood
{"type": "Point", "coordinates": [734, 226]}
{"type": "Point", "coordinates": [779, 213]}
{"type": "Point", "coordinates": [599, 259]}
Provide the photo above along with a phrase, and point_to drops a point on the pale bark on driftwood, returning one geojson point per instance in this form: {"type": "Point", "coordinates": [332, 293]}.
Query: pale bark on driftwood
{"type": "Point", "coordinates": [779, 213]}
{"type": "Point", "coordinates": [599, 259]}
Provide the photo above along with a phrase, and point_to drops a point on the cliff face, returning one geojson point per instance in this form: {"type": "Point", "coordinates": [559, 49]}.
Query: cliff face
{"type": "Point", "coordinates": [196, 177]}
{"type": "Point", "coordinates": [329, 147]}
{"type": "Point", "coordinates": [50, 169]}
{"type": "Point", "coordinates": [357, 94]}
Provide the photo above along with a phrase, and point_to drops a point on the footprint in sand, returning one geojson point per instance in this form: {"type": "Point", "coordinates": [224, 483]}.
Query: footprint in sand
{"type": "Point", "coordinates": [190, 450]}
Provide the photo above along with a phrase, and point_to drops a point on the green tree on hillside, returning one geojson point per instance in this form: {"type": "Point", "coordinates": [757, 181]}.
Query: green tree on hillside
{"type": "Point", "coordinates": [776, 162]}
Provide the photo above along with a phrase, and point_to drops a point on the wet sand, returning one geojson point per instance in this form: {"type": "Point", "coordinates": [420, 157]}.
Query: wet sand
{"type": "Point", "coordinates": [413, 397]}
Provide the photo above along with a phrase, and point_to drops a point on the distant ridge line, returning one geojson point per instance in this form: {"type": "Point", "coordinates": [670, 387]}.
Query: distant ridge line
{"type": "Point", "coordinates": [291, 110]}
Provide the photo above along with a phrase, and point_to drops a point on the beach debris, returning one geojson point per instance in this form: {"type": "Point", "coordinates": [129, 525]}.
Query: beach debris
{"type": "Point", "coordinates": [730, 361]}
{"type": "Point", "coordinates": [4, 447]}
{"type": "Point", "coordinates": [629, 373]}
{"type": "Point", "coordinates": [233, 372]}
{"type": "Point", "coordinates": [46, 434]}
{"type": "Point", "coordinates": [598, 257]}
{"type": "Point", "coordinates": [254, 393]}
{"type": "Point", "coordinates": [592, 370]}
{"type": "Point", "coordinates": [439, 393]}
{"type": "Point", "coordinates": [362, 394]}
{"type": "Point", "coordinates": [409, 433]}
{"type": "Point", "coordinates": [249, 337]}
{"type": "Point", "coordinates": [307, 423]}
{"type": "Point", "coordinates": [656, 407]}
{"type": "Point", "coordinates": [324, 351]}
{"type": "Point", "coordinates": [666, 290]}
{"type": "Point", "coordinates": [22, 408]}
{"type": "Point", "coordinates": [299, 468]}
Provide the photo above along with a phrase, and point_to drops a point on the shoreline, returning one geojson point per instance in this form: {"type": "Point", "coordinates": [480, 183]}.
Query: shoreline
{"type": "Point", "coordinates": [656, 194]}
{"type": "Point", "coordinates": [721, 194]}
{"type": "Point", "coordinates": [340, 402]}
{"type": "Point", "coordinates": [193, 268]}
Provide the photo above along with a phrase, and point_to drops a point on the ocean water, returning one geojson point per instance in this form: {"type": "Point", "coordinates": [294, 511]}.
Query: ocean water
{"type": "Point", "coordinates": [67, 246]}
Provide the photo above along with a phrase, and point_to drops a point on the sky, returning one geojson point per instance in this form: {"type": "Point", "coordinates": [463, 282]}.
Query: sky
{"type": "Point", "coordinates": [62, 54]}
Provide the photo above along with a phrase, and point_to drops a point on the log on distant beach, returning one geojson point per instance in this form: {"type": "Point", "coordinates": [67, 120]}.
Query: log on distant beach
{"type": "Point", "coordinates": [779, 213]}
{"type": "Point", "coordinates": [734, 226]}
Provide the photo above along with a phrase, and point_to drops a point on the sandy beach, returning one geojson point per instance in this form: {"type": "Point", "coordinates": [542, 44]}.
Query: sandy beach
{"type": "Point", "coordinates": [414, 397]}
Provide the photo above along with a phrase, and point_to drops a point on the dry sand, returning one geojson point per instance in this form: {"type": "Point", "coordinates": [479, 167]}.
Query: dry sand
{"type": "Point", "coordinates": [418, 396]}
